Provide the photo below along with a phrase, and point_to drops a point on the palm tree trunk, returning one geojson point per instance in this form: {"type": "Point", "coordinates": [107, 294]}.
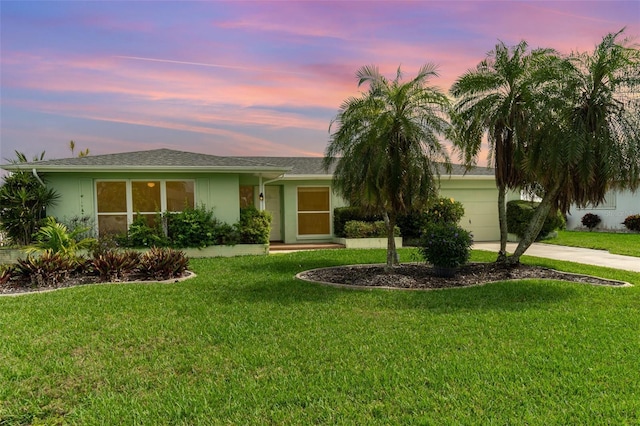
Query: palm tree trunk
{"type": "Point", "coordinates": [392, 252]}
{"type": "Point", "coordinates": [536, 224]}
{"type": "Point", "coordinates": [502, 218]}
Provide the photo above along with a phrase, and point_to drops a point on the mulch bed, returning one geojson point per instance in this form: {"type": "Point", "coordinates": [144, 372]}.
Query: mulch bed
{"type": "Point", "coordinates": [16, 287]}
{"type": "Point", "coordinates": [421, 276]}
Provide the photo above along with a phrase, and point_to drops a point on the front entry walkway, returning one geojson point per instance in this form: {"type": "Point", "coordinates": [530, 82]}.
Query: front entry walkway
{"type": "Point", "coordinates": [571, 254]}
{"type": "Point", "coordinates": [288, 248]}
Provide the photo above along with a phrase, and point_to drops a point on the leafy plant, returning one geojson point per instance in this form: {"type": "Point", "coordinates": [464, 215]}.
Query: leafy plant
{"type": "Point", "coordinates": [23, 203]}
{"type": "Point", "coordinates": [632, 223]}
{"type": "Point", "coordinates": [445, 245]}
{"type": "Point", "coordinates": [113, 265]}
{"type": "Point", "coordinates": [520, 213]}
{"type": "Point", "coordinates": [143, 234]}
{"type": "Point", "coordinates": [5, 273]}
{"type": "Point", "coordinates": [254, 226]}
{"type": "Point", "coordinates": [163, 263]}
{"type": "Point", "coordinates": [444, 210]}
{"type": "Point", "coordinates": [192, 227]}
{"type": "Point", "coordinates": [342, 215]}
{"type": "Point", "coordinates": [360, 229]}
{"type": "Point", "coordinates": [591, 220]}
{"type": "Point", "coordinates": [56, 238]}
{"type": "Point", "coordinates": [47, 269]}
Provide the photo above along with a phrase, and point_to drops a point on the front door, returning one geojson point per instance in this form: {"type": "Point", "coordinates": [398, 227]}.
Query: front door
{"type": "Point", "coordinates": [273, 205]}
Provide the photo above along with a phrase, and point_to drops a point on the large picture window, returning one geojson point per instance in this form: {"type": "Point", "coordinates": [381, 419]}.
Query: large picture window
{"type": "Point", "coordinates": [118, 201]}
{"type": "Point", "coordinates": [314, 211]}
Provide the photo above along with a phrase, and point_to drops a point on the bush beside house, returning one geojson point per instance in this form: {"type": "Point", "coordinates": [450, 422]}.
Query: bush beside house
{"type": "Point", "coordinates": [520, 213]}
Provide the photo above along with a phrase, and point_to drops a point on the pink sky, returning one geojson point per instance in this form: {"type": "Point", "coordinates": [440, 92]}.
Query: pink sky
{"type": "Point", "coordinates": [244, 78]}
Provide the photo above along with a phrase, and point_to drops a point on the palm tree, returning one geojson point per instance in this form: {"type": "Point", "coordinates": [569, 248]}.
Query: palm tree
{"type": "Point", "coordinates": [495, 100]}
{"type": "Point", "coordinates": [590, 138]}
{"type": "Point", "coordinates": [387, 146]}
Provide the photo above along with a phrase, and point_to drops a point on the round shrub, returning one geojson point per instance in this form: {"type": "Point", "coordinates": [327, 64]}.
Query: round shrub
{"type": "Point", "coordinates": [632, 223]}
{"type": "Point", "coordinates": [446, 245]}
{"type": "Point", "coordinates": [591, 220]}
{"type": "Point", "coordinates": [444, 210]}
{"type": "Point", "coordinates": [520, 213]}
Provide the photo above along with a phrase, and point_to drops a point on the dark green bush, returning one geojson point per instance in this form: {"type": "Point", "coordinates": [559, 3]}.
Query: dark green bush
{"type": "Point", "coordinates": [520, 213]}
{"type": "Point", "coordinates": [342, 215]}
{"type": "Point", "coordinates": [192, 227]}
{"type": "Point", "coordinates": [162, 263]}
{"type": "Point", "coordinates": [254, 226]}
{"type": "Point", "coordinates": [143, 234]}
{"type": "Point", "coordinates": [632, 223]}
{"type": "Point", "coordinates": [445, 245]}
{"type": "Point", "coordinates": [360, 229]}
{"type": "Point", "coordinates": [590, 220]}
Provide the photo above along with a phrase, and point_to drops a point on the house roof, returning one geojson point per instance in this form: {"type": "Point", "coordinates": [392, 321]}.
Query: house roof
{"type": "Point", "coordinates": [168, 160]}
{"type": "Point", "coordinates": [154, 160]}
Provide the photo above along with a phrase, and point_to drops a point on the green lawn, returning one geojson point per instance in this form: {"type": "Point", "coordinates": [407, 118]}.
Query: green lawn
{"type": "Point", "coordinates": [616, 243]}
{"type": "Point", "coordinates": [245, 343]}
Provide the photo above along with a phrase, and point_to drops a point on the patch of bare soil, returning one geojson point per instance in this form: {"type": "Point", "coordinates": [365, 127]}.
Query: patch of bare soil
{"type": "Point", "coordinates": [421, 276]}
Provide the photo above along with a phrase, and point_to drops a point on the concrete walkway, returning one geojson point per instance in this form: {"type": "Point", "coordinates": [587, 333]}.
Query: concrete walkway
{"type": "Point", "coordinates": [571, 254]}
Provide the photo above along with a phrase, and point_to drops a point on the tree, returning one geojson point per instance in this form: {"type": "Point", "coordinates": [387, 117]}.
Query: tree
{"type": "Point", "coordinates": [589, 139]}
{"type": "Point", "coordinates": [495, 100]}
{"type": "Point", "coordinates": [72, 147]}
{"type": "Point", "coordinates": [23, 200]}
{"type": "Point", "coordinates": [387, 146]}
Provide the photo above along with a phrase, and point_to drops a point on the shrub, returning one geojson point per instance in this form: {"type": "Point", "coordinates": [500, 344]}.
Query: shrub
{"type": "Point", "coordinates": [254, 226]}
{"type": "Point", "coordinates": [192, 227]}
{"type": "Point", "coordinates": [5, 273]}
{"type": "Point", "coordinates": [591, 220]}
{"type": "Point", "coordinates": [141, 233]}
{"type": "Point", "coordinates": [360, 229]}
{"type": "Point", "coordinates": [342, 215]}
{"type": "Point", "coordinates": [23, 203]}
{"type": "Point", "coordinates": [45, 270]}
{"type": "Point", "coordinates": [56, 238]}
{"type": "Point", "coordinates": [444, 210]}
{"type": "Point", "coordinates": [632, 223]}
{"type": "Point", "coordinates": [520, 213]}
{"type": "Point", "coordinates": [161, 263]}
{"type": "Point", "coordinates": [445, 245]}
{"type": "Point", "coordinates": [113, 265]}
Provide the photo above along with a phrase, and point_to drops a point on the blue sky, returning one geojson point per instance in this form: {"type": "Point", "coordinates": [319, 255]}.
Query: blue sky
{"type": "Point", "coordinates": [243, 78]}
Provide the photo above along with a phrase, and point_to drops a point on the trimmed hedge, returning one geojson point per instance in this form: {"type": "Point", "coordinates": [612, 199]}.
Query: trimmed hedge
{"type": "Point", "coordinates": [520, 213]}
{"type": "Point", "coordinates": [342, 215]}
{"type": "Point", "coordinates": [632, 223]}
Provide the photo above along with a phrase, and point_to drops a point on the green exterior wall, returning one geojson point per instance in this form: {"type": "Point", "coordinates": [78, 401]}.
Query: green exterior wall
{"type": "Point", "coordinates": [77, 192]}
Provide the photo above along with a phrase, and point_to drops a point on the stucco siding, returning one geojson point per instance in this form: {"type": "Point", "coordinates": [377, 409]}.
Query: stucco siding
{"type": "Point", "coordinates": [612, 214]}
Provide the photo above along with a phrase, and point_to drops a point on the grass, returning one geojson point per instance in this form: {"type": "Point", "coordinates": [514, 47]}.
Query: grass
{"type": "Point", "coordinates": [245, 343]}
{"type": "Point", "coordinates": [616, 243]}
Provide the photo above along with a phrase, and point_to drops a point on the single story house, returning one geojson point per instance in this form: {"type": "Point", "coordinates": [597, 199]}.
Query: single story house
{"type": "Point", "coordinates": [618, 205]}
{"type": "Point", "coordinates": [112, 188]}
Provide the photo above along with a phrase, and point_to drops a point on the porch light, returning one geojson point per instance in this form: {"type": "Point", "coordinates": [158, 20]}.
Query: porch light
{"type": "Point", "coordinates": [261, 196]}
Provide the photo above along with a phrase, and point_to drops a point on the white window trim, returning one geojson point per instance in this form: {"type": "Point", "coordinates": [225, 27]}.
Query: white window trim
{"type": "Point", "coordinates": [314, 236]}
{"type": "Point", "coordinates": [129, 195]}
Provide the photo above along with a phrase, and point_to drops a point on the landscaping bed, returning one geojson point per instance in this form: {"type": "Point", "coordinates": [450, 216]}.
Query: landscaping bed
{"type": "Point", "coordinates": [420, 276]}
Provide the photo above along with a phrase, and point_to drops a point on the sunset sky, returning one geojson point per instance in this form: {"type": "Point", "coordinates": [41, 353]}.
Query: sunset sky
{"type": "Point", "coordinates": [244, 77]}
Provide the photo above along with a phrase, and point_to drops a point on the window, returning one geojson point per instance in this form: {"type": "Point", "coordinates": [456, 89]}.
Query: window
{"type": "Point", "coordinates": [609, 202]}
{"type": "Point", "coordinates": [118, 201]}
{"type": "Point", "coordinates": [246, 196]}
{"type": "Point", "coordinates": [314, 211]}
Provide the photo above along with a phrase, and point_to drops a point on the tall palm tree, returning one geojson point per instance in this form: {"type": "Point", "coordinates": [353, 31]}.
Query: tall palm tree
{"type": "Point", "coordinates": [387, 146]}
{"type": "Point", "coordinates": [494, 100]}
{"type": "Point", "coordinates": [590, 138]}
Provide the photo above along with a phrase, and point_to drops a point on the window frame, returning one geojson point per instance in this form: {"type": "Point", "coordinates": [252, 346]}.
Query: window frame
{"type": "Point", "coordinates": [298, 212]}
{"type": "Point", "coordinates": [130, 213]}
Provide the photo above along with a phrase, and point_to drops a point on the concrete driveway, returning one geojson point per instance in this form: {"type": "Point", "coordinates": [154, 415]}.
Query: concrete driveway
{"type": "Point", "coordinates": [571, 254]}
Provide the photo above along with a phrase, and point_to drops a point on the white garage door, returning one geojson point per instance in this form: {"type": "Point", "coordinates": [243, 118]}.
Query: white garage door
{"type": "Point", "coordinates": [480, 211]}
